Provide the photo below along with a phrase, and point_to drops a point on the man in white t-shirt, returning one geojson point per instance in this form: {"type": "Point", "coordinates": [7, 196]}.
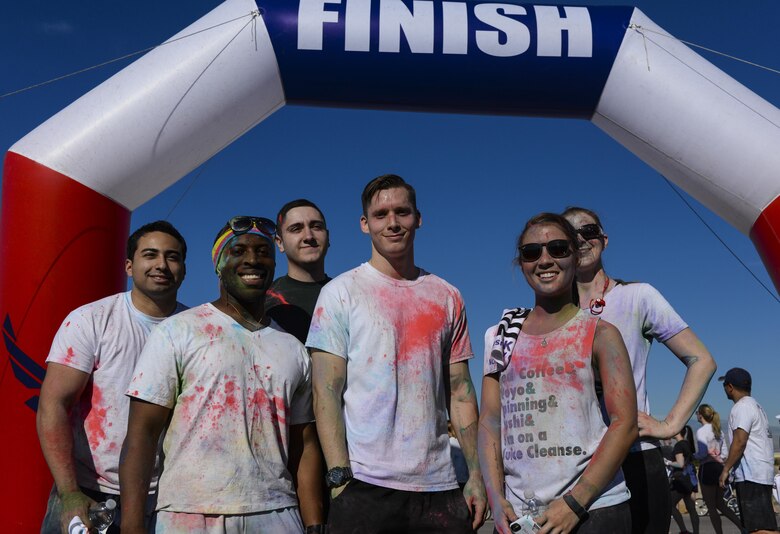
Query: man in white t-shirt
{"type": "Point", "coordinates": [82, 415]}
{"type": "Point", "coordinates": [231, 391]}
{"type": "Point", "coordinates": [751, 454]}
{"type": "Point", "coordinates": [390, 350]}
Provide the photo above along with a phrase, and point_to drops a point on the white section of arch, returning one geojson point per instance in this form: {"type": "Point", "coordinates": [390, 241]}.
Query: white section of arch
{"type": "Point", "coordinates": [693, 123]}
{"type": "Point", "coordinates": [150, 124]}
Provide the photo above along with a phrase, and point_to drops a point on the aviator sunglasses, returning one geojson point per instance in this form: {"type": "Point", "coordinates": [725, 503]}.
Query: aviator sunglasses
{"type": "Point", "coordinates": [557, 248]}
{"type": "Point", "coordinates": [590, 231]}
{"type": "Point", "coordinates": [243, 223]}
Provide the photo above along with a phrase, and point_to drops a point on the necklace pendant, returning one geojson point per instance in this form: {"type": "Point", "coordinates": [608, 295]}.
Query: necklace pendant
{"type": "Point", "coordinates": [544, 342]}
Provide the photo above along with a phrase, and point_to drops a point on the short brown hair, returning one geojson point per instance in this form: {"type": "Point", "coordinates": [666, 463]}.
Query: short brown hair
{"type": "Point", "coordinates": [387, 181]}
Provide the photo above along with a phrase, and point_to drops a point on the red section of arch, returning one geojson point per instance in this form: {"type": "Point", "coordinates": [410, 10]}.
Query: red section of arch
{"type": "Point", "coordinates": [766, 237]}
{"type": "Point", "coordinates": [62, 245]}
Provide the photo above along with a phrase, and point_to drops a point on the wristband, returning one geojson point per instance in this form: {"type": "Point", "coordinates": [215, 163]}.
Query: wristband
{"type": "Point", "coordinates": [316, 529]}
{"type": "Point", "coordinates": [571, 502]}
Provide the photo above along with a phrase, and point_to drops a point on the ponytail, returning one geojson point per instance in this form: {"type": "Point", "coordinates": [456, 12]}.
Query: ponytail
{"type": "Point", "coordinates": [711, 416]}
{"type": "Point", "coordinates": [716, 424]}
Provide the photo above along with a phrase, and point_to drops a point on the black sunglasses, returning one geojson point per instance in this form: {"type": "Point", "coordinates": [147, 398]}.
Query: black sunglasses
{"type": "Point", "coordinates": [244, 223]}
{"type": "Point", "coordinates": [557, 248]}
{"type": "Point", "coordinates": [590, 231]}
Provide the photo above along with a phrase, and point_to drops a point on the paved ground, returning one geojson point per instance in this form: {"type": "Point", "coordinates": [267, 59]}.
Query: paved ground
{"type": "Point", "coordinates": [705, 527]}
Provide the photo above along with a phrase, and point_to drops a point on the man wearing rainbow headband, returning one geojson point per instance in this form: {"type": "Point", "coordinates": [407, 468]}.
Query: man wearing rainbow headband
{"type": "Point", "coordinates": [232, 391]}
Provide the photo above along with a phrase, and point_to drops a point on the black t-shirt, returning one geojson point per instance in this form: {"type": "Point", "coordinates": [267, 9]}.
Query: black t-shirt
{"type": "Point", "coordinates": [291, 303]}
{"type": "Point", "coordinates": [684, 448]}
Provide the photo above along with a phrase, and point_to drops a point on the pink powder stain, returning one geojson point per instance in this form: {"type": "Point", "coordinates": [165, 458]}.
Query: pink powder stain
{"type": "Point", "coordinates": [419, 328]}
{"type": "Point", "coordinates": [212, 331]}
{"type": "Point", "coordinates": [181, 522]}
{"type": "Point", "coordinates": [95, 420]}
{"type": "Point", "coordinates": [134, 393]}
{"type": "Point", "coordinates": [277, 296]}
{"type": "Point", "coordinates": [69, 356]}
{"type": "Point", "coordinates": [231, 401]}
{"type": "Point", "coordinates": [67, 324]}
{"type": "Point", "coordinates": [280, 413]}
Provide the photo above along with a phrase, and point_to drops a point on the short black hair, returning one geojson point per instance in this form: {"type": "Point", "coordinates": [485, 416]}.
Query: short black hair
{"type": "Point", "coordinates": [384, 182]}
{"type": "Point", "coordinates": [298, 203]}
{"type": "Point", "coordinates": [156, 226]}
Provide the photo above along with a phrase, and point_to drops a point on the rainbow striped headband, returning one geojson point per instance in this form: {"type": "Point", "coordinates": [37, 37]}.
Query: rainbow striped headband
{"type": "Point", "coordinates": [239, 226]}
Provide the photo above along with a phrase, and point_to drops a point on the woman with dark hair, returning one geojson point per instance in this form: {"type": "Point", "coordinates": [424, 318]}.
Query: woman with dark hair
{"type": "Point", "coordinates": [709, 445]}
{"type": "Point", "coordinates": [551, 455]}
{"type": "Point", "coordinates": [641, 314]}
{"type": "Point", "coordinates": [682, 486]}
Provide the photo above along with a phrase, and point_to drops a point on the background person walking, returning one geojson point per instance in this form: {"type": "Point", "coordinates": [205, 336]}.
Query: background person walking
{"type": "Point", "coordinates": [709, 448]}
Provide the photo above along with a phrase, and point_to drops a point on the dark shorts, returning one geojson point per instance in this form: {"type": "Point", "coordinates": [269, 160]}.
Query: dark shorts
{"type": "Point", "coordinates": [613, 519]}
{"type": "Point", "coordinates": [709, 473]}
{"type": "Point", "coordinates": [364, 508]}
{"type": "Point", "coordinates": [755, 506]}
{"type": "Point", "coordinates": [651, 503]}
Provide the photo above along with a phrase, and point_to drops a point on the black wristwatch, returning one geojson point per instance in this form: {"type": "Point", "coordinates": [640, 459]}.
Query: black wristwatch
{"type": "Point", "coordinates": [337, 477]}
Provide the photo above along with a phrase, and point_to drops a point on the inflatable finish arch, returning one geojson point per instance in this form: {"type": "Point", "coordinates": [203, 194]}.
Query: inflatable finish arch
{"type": "Point", "coordinates": [79, 175]}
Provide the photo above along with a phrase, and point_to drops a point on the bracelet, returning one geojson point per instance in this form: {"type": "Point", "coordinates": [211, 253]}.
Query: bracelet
{"type": "Point", "coordinates": [571, 502]}
{"type": "Point", "coordinates": [316, 529]}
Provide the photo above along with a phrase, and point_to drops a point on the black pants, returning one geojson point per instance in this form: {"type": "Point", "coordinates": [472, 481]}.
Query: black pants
{"type": "Point", "coordinates": [651, 504]}
{"type": "Point", "coordinates": [368, 509]}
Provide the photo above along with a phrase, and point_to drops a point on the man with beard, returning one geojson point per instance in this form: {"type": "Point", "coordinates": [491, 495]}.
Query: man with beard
{"type": "Point", "coordinates": [228, 386]}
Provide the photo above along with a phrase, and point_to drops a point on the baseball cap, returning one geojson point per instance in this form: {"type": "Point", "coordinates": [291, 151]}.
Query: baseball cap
{"type": "Point", "coordinates": [737, 377]}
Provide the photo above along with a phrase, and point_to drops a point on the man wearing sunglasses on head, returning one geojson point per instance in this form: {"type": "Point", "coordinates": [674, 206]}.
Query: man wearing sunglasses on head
{"type": "Point", "coordinates": [82, 412]}
{"type": "Point", "coordinates": [232, 393]}
{"type": "Point", "coordinates": [303, 237]}
{"type": "Point", "coordinates": [390, 350]}
{"type": "Point", "coordinates": [642, 314]}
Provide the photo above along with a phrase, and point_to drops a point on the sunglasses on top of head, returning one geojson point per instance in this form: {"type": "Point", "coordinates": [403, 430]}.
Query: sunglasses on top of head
{"type": "Point", "coordinates": [590, 231]}
{"type": "Point", "coordinates": [557, 248]}
{"type": "Point", "coordinates": [244, 223]}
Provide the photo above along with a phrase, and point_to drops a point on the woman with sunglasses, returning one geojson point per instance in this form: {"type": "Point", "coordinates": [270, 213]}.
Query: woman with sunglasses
{"type": "Point", "coordinates": [541, 432]}
{"type": "Point", "coordinates": [641, 314]}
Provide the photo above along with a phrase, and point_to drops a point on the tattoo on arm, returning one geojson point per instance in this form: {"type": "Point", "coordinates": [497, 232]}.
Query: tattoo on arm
{"type": "Point", "coordinates": [689, 360]}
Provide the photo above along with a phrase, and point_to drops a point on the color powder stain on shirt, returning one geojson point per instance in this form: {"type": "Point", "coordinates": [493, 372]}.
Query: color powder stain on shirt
{"type": "Point", "coordinates": [95, 421]}
{"type": "Point", "coordinates": [231, 401]}
{"type": "Point", "coordinates": [419, 328]}
{"type": "Point", "coordinates": [273, 295]}
{"type": "Point", "coordinates": [69, 356]}
{"type": "Point", "coordinates": [212, 331]}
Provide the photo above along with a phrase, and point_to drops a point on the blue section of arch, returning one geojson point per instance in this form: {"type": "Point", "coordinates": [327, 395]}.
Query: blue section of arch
{"type": "Point", "coordinates": [474, 82]}
{"type": "Point", "coordinates": [25, 369]}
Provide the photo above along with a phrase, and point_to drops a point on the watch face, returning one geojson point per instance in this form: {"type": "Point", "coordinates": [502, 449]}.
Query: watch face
{"type": "Point", "coordinates": [338, 476]}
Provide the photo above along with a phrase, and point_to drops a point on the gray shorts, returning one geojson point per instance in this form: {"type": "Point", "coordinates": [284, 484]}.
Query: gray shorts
{"type": "Point", "coordinates": [283, 521]}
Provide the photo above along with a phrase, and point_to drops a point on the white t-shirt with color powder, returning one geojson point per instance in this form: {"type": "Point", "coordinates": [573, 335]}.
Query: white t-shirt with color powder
{"type": "Point", "coordinates": [104, 339]}
{"type": "Point", "coordinates": [757, 462]}
{"type": "Point", "coordinates": [396, 336]}
{"type": "Point", "coordinates": [551, 422]}
{"type": "Point", "coordinates": [234, 395]}
{"type": "Point", "coordinates": [641, 314]}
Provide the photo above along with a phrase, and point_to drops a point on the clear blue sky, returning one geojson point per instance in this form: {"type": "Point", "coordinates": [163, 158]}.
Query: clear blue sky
{"type": "Point", "coordinates": [478, 178]}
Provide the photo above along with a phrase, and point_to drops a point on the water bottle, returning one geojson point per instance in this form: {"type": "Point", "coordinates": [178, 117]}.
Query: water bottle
{"type": "Point", "coordinates": [102, 514]}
